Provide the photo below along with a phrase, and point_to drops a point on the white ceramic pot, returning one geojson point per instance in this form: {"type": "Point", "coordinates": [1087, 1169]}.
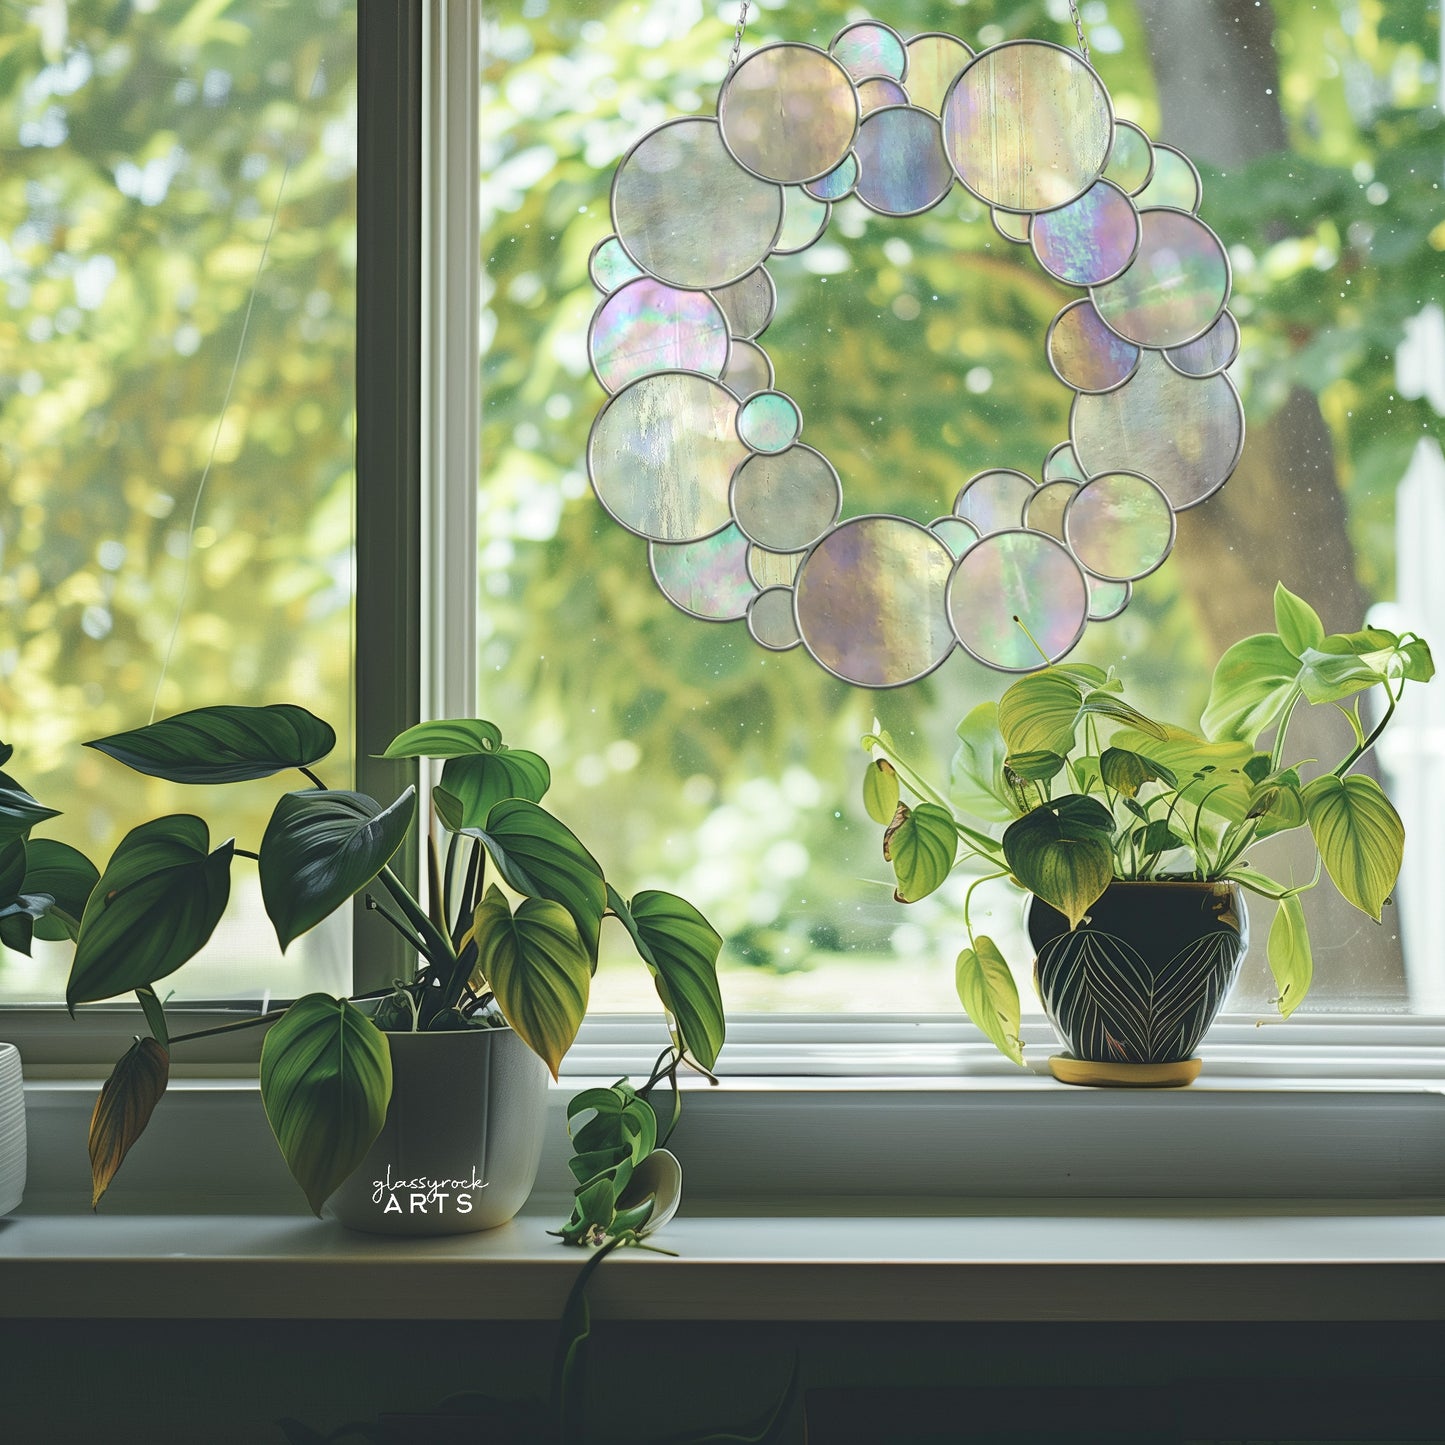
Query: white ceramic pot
{"type": "Point", "coordinates": [462, 1140]}
{"type": "Point", "coordinates": [12, 1129]}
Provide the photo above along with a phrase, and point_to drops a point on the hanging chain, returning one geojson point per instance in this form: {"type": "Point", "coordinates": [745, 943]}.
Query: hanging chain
{"type": "Point", "coordinates": [738, 37]}
{"type": "Point", "coordinates": [1078, 29]}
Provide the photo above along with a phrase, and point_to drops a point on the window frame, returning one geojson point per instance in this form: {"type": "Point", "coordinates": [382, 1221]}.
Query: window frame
{"type": "Point", "coordinates": [417, 463]}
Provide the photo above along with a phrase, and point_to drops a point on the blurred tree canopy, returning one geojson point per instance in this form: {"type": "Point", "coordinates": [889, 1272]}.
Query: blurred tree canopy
{"type": "Point", "coordinates": [145, 145]}
{"type": "Point", "coordinates": [915, 350]}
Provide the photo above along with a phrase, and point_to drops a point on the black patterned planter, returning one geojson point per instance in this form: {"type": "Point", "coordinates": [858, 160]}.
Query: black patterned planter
{"type": "Point", "coordinates": [1141, 978]}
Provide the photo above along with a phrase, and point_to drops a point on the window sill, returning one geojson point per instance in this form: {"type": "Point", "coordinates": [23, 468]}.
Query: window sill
{"type": "Point", "coordinates": [1011, 1261]}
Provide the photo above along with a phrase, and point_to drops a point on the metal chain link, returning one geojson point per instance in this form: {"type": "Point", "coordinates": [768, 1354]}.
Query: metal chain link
{"type": "Point", "coordinates": [1078, 29]}
{"type": "Point", "coordinates": [738, 37]}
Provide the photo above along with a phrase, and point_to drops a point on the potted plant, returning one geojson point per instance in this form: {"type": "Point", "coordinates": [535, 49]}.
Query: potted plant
{"type": "Point", "coordinates": [1134, 838]}
{"type": "Point", "coordinates": [420, 1112]}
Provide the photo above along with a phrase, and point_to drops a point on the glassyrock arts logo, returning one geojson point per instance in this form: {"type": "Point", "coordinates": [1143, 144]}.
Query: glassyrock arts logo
{"type": "Point", "coordinates": [426, 1196]}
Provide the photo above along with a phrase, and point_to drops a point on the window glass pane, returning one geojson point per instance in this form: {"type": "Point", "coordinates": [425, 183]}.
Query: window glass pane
{"type": "Point", "coordinates": [916, 351]}
{"type": "Point", "coordinates": [176, 417]}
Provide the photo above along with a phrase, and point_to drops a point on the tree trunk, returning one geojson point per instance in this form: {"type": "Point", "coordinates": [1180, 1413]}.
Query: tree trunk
{"type": "Point", "coordinates": [1282, 517]}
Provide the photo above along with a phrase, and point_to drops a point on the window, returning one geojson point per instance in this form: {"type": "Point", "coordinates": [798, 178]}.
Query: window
{"type": "Point", "coordinates": [915, 351]}
{"type": "Point", "coordinates": [178, 251]}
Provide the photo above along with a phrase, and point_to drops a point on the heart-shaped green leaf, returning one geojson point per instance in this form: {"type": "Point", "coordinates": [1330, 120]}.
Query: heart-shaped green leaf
{"type": "Point", "coordinates": [325, 1085]}
{"type": "Point", "coordinates": [976, 783]}
{"type": "Point", "coordinates": [1360, 837]}
{"type": "Point", "coordinates": [541, 857]}
{"type": "Point", "coordinates": [155, 906]}
{"type": "Point", "coordinates": [989, 996]}
{"type": "Point", "coordinates": [1251, 687]}
{"type": "Point", "coordinates": [322, 847]}
{"type": "Point", "coordinates": [68, 876]}
{"type": "Point", "coordinates": [1040, 712]}
{"type": "Point", "coordinates": [19, 812]}
{"type": "Point", "coordinates": [539, 967]}
{"type": "Point", "coordinates": [124, 1108]}
{"type": "Point", "coordinates": [1033, 767]}
{"type": "Point", "coordinates": [481, 780]}
{"type": "Point", "coordinates": [880, 790]}
{"type": "Point", "coordinates": [921, 845]}
{"type": "Point", "coordinates": [1067, 865]}
{"type": "Point", "coordinates": [1126, 772]}
{"type": "Point", "coordinates": [680, 947]}
{"type": "Point", "coordinates": [1297, 623]}
{"type": "Point", "coordinates": [224, 744]}
{"type": "Point", "coordinates": [446, 738]}
{"type": "Point", "coordinates": [1290, 959]}
{"type": "Point", "coordinates": [1208, 774]}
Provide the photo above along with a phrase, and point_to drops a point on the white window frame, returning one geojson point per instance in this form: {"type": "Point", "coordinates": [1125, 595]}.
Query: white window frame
{"type": "Point", "coordinates": [418, 452]}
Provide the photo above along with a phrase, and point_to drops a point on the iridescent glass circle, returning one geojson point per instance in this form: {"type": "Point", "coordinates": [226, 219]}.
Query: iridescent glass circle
{"type": "Point", "coordinates": [788, 112]}
{"type": "Point", "coordinates": [902, 170]}
{"type": "Point", "coordinates": [1085, 354]}
{"type": "Point", "coordinates": [707, 579]}
{"type": "Point", "coordinates": [1120, 526]}
{"type": "Point", "coordinates": [748, 304]}
{"type": "Point", "coordinates": [1089, 241]}
{"type": "Point", "coordinates": [1211, 353]}
{"type": "Point", "coordinates": [994, 501]}
{"type": "Point", "coordinates": [867, 48]}
{"type": "Point", "coordinates": [769, 421]}
{"type": "Point", "coordinates": [787, 500]}
{"type": "Point", "coordinates": [662, 454]}
{"type": "Point", "coordinates": [645, 326]}
{"type": "Point", "coordinates": [1175, 289]}
{"type": "Point", "coordinates": [1014, 586]}
{"type": "Point", "coordinates": [771, 620]}
{"type": "Point", "coordinates": [1028, 126]}
{"type": "Point", "coordinates": [687, 212]}
{"type": "Point", "coordinates": [933, 62]}
{"type": "Point", "coordinates": [870, 601]}
{"type": "Point", "coordinates": [1185, 434]}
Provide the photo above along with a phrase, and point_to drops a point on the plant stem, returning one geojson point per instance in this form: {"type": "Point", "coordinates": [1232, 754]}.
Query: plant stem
{"type": "Point", "coordinates": [1369, 742]}
{"type": "Point", "coordinates": [1276, 753]}
{"type": "Point", "coordinates": [246, 853]}
{"type": "Point", "coordinates": [453, 842]}
{"type": "Point", "coordinates": [968, 897]}
{"type": "Point", "coordinates": [438, 945]}
{"type": "Point", "coordinates": [314, 779]}
{"type": "Point", "coordinates": [246, 1023]}
{"type": "Point", "coordinates": [412, 940]}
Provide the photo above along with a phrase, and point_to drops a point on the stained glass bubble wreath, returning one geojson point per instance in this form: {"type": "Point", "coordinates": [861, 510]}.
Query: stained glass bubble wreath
{"type": "Point", "coordinates": [699, 451]}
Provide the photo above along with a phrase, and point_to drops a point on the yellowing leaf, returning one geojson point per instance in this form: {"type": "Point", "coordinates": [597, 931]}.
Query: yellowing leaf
{"type": "Point", "coordinates": [123, 1110]}
{"type": "Point", "coordinates": [1360, 837]}
{"type": "Point", "coordinates": [1290, 959]}
{"type": "Point", "coordinates": [989, 996]}
{"type": "Point", "coordinates": [539, 968]}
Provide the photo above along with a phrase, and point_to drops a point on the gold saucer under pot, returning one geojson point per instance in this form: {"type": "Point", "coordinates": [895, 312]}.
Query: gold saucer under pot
{"type": "Point", "coordinates": [1174, 1075]}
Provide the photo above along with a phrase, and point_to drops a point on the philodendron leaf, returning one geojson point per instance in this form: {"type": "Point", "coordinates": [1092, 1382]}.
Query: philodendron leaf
{"type": "Point", "coordinates": [1039, 713]}
{"type": "Point", "coordinates": [989, 996]}
{"type": "Point", "coordinates": [123, 1109]}
{"type": "Point", "coordinates": [1126, 772]}
{"type": "Point", "coordinates": [68, 876]}
{"type": "Point", "coordinates": [322, 847]}
{"type": "Point", "coordinates": [1036, 767]}
{"type": "Point", "coordinates": [325, 1085]}
{"type": "Point", "coordinates": [1360, 837]}
{"type": "Point", "coordinates": [880, 790]}
{"type": "Point", "coordinates": [19, 812]}
{"type": "Point", "coordinates": [1290, 959]}
{"type": "Point", "coordinates": [1297, 623]}
{"type": "Point", "coordinates": [1346, 663]}
{"type": "Point", "coordinates": [1207, 774]}
{"type": "Point", "coordinates": [1251, 687]}
{"type": "Point", "coordinates": [225, 744]}
{"type": "Point", "coordinates": [446, 738]}
{"type": "Point", "coordinates": [539, 968]}
{"type": "Point", "coordinates": [155, 906]}
{"type": "Point", "coordinates": [680, 947]}
{"type": "Point", "coordinates": [480, 781]}
{"type": "Point", "coordinates": [543, 858]}
{"type": "Point", "coordinates": [921, 845]}
{"type": "Point", "coordinates": [976, 783]}
{"type": "Point", "coordinates": [1067, 865]}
